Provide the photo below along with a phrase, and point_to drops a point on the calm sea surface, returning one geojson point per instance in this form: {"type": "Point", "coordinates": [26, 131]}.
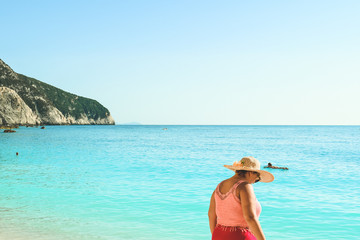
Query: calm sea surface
{"type": "Point", "coordinates": [143, 182]}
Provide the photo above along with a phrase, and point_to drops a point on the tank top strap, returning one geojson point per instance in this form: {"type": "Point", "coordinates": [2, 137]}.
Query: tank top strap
{"type": "Point", "coordinates": [235, 187]}
{"type": "Point", "coordinates": [231, 190]}
{"type": "Point", "coordinates": [238, 183]}
{"type": "Point", "coordinates": [217, 189]}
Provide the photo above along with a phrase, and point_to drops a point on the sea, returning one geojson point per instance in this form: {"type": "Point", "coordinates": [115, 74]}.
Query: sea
{"type": "Point", "coordinates": [155, 182]}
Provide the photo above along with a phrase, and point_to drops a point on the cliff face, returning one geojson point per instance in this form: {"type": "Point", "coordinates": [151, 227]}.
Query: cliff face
{"type": "Point", "coordinates": [25, 100]}
{"type": "Point", "coordinates": [14, 110]}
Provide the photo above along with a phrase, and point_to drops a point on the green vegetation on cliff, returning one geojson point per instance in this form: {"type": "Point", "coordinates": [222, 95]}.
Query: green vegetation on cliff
{"type": "Point", "coordinates": [40, 96]}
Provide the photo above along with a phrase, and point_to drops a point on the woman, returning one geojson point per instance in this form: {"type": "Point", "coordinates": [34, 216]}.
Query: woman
{"type": "Point", "coordinates": [234, 209]}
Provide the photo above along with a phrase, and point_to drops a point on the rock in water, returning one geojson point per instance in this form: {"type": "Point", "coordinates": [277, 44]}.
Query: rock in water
{"type": "Point", "coordinates": [27, 101]}
{"type": "Point", "coordinates": [9, 131]}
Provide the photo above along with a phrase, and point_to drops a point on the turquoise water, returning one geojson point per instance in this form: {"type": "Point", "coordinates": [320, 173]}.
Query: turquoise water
{"type": "Point", "coordinates": [143, 182]}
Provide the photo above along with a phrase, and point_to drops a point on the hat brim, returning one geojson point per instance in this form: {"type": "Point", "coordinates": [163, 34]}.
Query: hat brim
{"type": "Point", "coordinates": [265, 176]}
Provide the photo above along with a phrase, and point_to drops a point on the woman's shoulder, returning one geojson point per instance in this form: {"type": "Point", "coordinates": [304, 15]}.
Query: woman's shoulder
{"type": "Point", "coordinates": [242, 186]}
{"type": "Point", "coordinates": [225, 182]}
{"type": "Point", "coordinates": [245, 186]}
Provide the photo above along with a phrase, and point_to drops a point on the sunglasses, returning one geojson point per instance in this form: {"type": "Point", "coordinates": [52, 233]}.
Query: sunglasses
{"type": "Point", "coordinates": [259, 178]}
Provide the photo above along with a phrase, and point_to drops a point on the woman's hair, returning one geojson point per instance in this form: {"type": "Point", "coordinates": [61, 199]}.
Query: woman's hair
{"type": "Point", "coordinates": [241, 173]}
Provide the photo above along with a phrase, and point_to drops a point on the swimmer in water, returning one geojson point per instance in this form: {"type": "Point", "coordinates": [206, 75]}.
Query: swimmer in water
{"type": "Point", "coordinates": [275, 167]}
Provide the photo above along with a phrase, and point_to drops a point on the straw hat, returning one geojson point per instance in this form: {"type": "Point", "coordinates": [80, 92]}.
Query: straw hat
{"type": "Point", "coordinates": [251, 164]}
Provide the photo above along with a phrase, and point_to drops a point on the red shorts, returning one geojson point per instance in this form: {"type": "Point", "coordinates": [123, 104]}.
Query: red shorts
{"type": "Point", "coordinates": [231, 233]}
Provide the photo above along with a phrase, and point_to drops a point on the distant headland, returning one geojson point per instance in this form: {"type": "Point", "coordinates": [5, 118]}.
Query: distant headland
{"type": "Point", "coordinates": [25, 101]}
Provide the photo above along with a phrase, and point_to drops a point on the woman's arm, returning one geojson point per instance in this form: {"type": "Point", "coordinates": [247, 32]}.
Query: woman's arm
{"type": "Point", "coordinates": [248, 204]}
{"type": "Point", "coordinates": [212, 213]}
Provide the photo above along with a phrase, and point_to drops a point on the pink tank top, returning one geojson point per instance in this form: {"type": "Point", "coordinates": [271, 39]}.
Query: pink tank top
{"type": "Point", "coordinates": [228, 207]}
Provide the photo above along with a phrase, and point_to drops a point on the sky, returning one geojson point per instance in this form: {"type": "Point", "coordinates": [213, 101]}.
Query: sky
{"type": "Point", "coordinates": [194, 62]}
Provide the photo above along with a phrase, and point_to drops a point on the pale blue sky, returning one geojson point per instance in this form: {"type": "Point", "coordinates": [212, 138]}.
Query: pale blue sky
{"type": "Point", "coordinates": [194, 62]}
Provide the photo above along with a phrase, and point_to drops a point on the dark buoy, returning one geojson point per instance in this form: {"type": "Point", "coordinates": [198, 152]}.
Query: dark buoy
{"type": "Point", "coordinates": [17, 154]}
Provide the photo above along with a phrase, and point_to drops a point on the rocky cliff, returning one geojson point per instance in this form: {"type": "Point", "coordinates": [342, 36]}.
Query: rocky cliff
{"type": "Point", "coordinates": [27, 101]}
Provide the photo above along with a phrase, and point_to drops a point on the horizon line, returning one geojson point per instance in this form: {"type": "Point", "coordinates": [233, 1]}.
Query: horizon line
{"type": "Point", "coordinates": [140, 124]}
